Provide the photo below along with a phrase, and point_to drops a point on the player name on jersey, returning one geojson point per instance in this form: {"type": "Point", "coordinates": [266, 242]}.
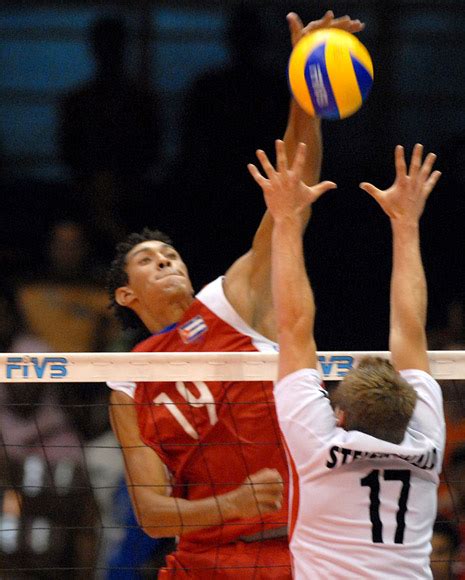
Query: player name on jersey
{"type": "Point", "coordinates": [341, 456]}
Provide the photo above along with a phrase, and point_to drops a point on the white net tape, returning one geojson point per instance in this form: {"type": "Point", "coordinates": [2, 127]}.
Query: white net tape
{"type": "Point", "coordinates": [203, 366]}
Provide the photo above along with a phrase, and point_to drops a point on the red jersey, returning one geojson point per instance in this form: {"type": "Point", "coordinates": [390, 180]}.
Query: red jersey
{"type": "Point", "coordinates": [211, 435]}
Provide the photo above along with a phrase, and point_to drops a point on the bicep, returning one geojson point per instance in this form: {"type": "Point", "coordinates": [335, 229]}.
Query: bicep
{"type": "Point", "coordinates": [147, 481]}
{"type": "Point", "coordinates": [144, 469]}
{"type": "Point", "coordinates": [247, 287]}
{"type": "Point", "coordinates": [248, 280]}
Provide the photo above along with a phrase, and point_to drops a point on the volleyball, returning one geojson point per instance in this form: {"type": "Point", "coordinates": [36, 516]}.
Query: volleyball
{"type": "Point", "coordinates": [330, 73]}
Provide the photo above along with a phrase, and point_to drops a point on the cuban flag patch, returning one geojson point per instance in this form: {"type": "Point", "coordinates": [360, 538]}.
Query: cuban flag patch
{"type": "Point", "coordinates": [192, 330]}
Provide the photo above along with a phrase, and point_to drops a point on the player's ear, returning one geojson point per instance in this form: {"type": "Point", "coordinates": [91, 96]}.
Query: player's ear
{"type": "Point", "coordinates": [340, 417]}
{"type": "Point", "coordinates": [124, 296]}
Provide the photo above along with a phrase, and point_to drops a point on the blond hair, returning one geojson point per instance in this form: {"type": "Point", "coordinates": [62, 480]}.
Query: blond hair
{"type": "Point", "coordinates": [376, 400]}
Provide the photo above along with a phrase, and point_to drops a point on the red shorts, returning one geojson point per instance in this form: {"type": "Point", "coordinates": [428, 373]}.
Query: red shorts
{"type": "Point", "coordinates": [263, 560]}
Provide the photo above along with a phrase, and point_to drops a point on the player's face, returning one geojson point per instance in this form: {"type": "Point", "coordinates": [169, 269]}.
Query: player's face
{"type": "Point", "coordinates": [156, 273]}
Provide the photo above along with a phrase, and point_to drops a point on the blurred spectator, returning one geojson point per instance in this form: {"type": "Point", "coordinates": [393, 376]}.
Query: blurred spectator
{"type": "Point", "coordinates": [229, 113]}
{"type": "Point", "coordinates": [43, 487]}
{"type": "Point", "coordinates": [445, 544]}
{"type": "Point", "coordinates": [10, 255]}
{"type": "Point", "coordinates": [452, 488]}
{"type": "Point", "coordinates": [15, 336]}
{"type": "Point", "coordinates": [104, 464]}
{"type": "Point", "coordinates": [455, 477]}
{"type": "Point", "coordinates": [135, 552]}
{"type": "Point", "coordinates": [453, 392]}
{"type": "Point", "coordinates": [70, 258]}
{"type": "Point", "coordinates": [450, 334]}
{"type": "Point", "coordinates": [452, 504]}
{"type": "Point", "coordinates": [109, 133]}
{"type": "Point", "coordinates": [247, 104]}
{"type": "Point", "coordinates": [47, 508]}
{"type": "Point", "coordinates": [450, 337]}
{"type": "Point", "coordinates": [454, 410]}
{"type": "Point", "coordinates": [67, 309]}
{"type": "Point", "coordinates": [65, 306]}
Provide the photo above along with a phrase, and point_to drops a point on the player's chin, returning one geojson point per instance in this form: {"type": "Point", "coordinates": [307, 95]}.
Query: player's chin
{"type": "Point", "coordinates": [174, 282]}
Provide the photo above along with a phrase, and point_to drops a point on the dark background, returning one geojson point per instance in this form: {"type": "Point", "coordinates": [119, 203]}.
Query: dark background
{"type": "Point", "coordinates": [217, 78]}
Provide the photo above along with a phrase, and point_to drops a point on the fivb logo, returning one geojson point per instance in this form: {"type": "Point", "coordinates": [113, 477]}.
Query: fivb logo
{"type": "Point", "coordinates": [33, 367]}
{"type": "Point", "coordinates": [336, 364]}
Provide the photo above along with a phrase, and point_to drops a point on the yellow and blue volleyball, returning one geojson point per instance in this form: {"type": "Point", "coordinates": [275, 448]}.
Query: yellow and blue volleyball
{"type": "Point", "coordinates": [330, 73]}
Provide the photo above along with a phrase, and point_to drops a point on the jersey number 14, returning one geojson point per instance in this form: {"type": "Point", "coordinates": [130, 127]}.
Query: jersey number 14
{"type": "Point", "coordinates": [204, 399]}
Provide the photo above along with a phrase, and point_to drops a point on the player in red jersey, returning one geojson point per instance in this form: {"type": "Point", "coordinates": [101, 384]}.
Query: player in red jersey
{"type": "Point", "coordinates": [192, 449]}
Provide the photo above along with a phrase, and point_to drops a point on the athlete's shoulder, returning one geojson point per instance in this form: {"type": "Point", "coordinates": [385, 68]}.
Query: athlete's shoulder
{"type": "Point", "coordinates": [212, 292]}
{"type": "Point", "coordinates": [424, 384]}
{"type": "Point", "coordinates": [213, 297]}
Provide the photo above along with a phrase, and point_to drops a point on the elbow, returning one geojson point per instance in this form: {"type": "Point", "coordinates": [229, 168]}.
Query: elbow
{"type": "Point", "coordinates": [153, 528]}
{"type": "Point", "coordinates": [155, 524]}
{"type": "Point", "coordinates": [148, 521]}
{"type": "Point", "coordinates": [157, 515]}
{"type": "Point", "coordinates": [158, 531]}
{"type": "Point", "coordinates": [296, 326]}
{"type": "Point", "coordinates": [155, 532]}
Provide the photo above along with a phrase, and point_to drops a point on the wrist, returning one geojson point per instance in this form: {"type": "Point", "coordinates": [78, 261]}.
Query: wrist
{"type": "Point", "coordinates": [227, 504]}
{"type": "Point", "coordinates": [302, 115]}
{"type": "Point", "coordinates": [290, 219]}
{"type": "Point", "coordinates": [405, 224]}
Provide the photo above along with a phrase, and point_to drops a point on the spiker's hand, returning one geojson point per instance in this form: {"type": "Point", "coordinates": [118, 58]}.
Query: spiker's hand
{"type": "Point", "coordinates": [298, 30]}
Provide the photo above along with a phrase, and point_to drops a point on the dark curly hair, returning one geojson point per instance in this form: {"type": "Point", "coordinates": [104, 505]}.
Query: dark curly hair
{"type": "Point", "coordinates": [117, 275]}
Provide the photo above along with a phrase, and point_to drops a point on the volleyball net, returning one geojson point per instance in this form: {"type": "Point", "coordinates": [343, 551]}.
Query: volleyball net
{"type": "Point", "coordinates": [64, 505]}
{"type": "Point", "coordinates": [198, 366]}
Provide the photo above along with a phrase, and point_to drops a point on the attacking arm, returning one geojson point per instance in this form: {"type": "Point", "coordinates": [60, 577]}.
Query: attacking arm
{"type": "Point", "coordinates": [300, 127]}
{"type": "Point", "coordinates": [248, 283]}
{"type": "Point", "coordinates": [404, 202]}
{"type": "Point", "coordinates": [288, 200]}
{"type": "Point", "coordinates": [163, 516]}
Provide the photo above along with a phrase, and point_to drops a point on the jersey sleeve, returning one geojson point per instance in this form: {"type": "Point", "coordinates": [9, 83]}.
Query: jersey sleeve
{"type": "Point", "coordinates": [428, 416]}
{"type": "Point", "coordinates": [125, 387]}
{"type": "Point", "coordinates": [304, 412]}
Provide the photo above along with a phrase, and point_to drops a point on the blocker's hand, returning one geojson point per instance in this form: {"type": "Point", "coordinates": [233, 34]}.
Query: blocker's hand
{"type": "Point", "coordinates": [286, 195]}
{"type": "Point", "coordinates": [260, 493]}
{"type": "Point", "coordinates": [405, 199]}
{"type": "Point", "coordinates": [298, 30]}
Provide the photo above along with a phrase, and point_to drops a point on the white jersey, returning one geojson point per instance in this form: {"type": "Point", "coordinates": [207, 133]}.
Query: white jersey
{"type": "Point", "coordinates": [360, 507]}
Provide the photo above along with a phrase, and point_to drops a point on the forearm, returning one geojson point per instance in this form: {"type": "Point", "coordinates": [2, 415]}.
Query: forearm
{"type": "Point", "coordinates": [162, 516]}
{"type": "Point", "coordinates": [408, 282]}
{"type": "Point", "coordinates": [292, 293]}
{"type": "Point", "coordinates": [252, 271]}
{"type": "Point", "coordinates": [146, 477]}
{"type": "Point", "coordinates": [303, 128]}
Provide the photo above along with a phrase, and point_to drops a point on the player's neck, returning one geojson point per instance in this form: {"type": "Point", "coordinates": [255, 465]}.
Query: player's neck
{"type": "Point", "coordinates": [170, 315]}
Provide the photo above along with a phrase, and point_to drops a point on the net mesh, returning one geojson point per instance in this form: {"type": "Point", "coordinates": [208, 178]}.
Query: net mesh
{"type": "Point", "coordinates": [65, 509]}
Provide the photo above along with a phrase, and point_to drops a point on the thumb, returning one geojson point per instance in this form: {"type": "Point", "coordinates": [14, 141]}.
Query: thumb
{"type": "Point", "coordinates": [295, 26]}
{"type": "Point", "coordinates": [320, 188]}
{"type": "Point", "coordinates": [371, 190]}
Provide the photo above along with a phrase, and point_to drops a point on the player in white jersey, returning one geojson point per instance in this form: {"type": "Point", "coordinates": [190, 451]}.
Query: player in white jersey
{"type": "Point", "coordinates": [365, 470]}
